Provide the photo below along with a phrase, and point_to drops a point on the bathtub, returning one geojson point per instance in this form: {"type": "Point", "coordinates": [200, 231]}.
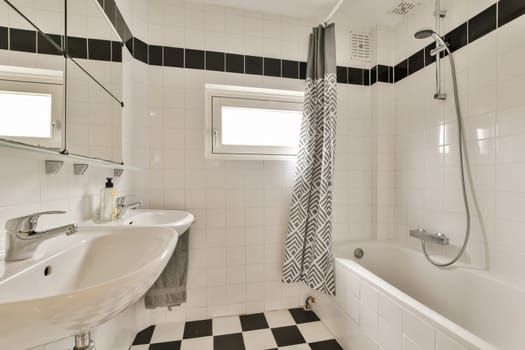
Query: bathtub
{"type": "Point", "coordinates": [392, 298]}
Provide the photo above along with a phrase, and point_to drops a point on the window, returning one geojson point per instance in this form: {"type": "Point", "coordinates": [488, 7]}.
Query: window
{"type": "Point", "coordinates": [31, 101]}
{"type": "Point", "coordinates": [27, 114]}
{"type": "Point", "coordinates": [252, 123]}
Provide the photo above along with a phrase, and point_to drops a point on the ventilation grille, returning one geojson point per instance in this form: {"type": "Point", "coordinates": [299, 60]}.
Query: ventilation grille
{"type": "Point", "coordinates": [404, 7]}
{"type": "Point", "coordinates": [360, 46]}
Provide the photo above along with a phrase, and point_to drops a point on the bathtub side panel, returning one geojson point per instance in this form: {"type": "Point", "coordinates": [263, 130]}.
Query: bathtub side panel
{"type": "Point", "coordinates": [365, 316]}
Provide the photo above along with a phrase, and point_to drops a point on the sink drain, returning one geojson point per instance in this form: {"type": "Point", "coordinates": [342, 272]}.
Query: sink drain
{"type": "Point", "coordinates": [358, 253]}
{"type": "Point", "coordinates": [47, 270]}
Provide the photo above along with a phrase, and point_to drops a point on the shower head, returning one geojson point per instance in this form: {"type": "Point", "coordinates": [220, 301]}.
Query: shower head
{"type": "Point", "coordinates": [441, 46]}
{"type": "Point", "coordinates": [424, 33]}
{"type": "Point", "coordinates": [427, 33]}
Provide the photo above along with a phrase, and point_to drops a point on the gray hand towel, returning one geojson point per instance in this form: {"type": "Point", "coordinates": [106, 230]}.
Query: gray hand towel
{"type": "Point", "coordinates": [170, 288]}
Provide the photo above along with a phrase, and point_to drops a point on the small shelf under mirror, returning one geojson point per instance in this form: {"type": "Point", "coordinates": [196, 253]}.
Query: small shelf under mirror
{"type": "Point", "coordinates": [56, 155]}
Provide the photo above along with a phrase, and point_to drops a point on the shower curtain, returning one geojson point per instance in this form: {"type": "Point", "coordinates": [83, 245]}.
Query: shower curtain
{"type": "Point", "coordinates": [307, 251]}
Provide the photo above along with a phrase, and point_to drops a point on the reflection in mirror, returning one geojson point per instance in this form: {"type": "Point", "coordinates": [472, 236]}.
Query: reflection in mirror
{"type": "Point", "coordinates": [93, 43]}
{"type": "Point", "coordinates": [93, 118]}
{"type": "Point", "coordinates": [31, 76]}
{"type": "Point", "coordinates": [90, 124]}
{"type": "Point", "coordinates": [45, 15]}
{"type": "Point", "coordinates": [94, 83]}
{"type": "Point", "coordinates": [31, 103]}
{"type": "Point", "coordinates": [32, 68]}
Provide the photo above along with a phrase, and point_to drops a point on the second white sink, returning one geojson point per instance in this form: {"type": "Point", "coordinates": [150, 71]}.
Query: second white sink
{"type": "Point", "coordinates": [176, 219]}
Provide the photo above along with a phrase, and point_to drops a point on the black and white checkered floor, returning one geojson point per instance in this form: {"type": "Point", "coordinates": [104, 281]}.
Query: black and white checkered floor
{"type": "Point", "coordinates": [293, 329]}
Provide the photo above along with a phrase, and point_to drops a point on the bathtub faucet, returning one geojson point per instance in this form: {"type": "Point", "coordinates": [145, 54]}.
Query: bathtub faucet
{"type": "Point", "coordinates": [438, 237]}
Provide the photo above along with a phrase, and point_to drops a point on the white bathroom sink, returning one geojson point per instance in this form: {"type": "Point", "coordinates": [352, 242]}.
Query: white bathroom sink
{"type": "Point", "coordinates": [178, 220]}
{"type": "Point", "coordinates": [75, 283]}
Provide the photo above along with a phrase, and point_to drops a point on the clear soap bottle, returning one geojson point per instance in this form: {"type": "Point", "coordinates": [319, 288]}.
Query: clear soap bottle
{"type": "Point", "coordinates": [107, 201]}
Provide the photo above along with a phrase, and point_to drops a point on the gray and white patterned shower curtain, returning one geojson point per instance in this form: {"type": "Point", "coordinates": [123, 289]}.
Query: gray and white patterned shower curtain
{"type": "Point", "coordinates": [307, 252]}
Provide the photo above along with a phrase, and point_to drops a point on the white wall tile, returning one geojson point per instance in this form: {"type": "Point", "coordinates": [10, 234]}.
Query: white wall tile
{"type": "Point", "coordinates": [369, 297]}
{"type": "Point", "coordinates": [444, 342]}
{"type": "Point", "coordinates": [418, 331]}
{"type": "Point", "coordinates": [389, 335]}
{"type": "Point", "coordinates": [242, 206]}
{"type": "Point", "coordinates": [369, 321]}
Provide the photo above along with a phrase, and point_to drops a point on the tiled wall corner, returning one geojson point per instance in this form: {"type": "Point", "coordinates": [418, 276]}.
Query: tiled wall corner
{"type": "Point", "coordinates": [426, 146]}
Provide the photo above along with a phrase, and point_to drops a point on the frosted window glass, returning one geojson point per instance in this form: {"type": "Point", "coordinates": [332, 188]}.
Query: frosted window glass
{"type": "Point", "coordinates": [260, 127]}
{"type": "Point", "coordinates": [25, 114]}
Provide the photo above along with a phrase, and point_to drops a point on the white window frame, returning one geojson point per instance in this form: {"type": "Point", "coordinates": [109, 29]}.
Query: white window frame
{"type": "Point", "coordinates": [218, 96]}
{"type": "Point", "coordinates": [37, 81]}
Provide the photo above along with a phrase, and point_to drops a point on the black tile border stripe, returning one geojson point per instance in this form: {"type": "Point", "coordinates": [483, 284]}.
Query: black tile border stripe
{"type": "Point", "coordinates": [213, 60]}
{"type": "Point", "coordinates": [474, 28]}
{"type": "Point", "coordinates": [185, 58]}
{"type": "Point", "coordinates": [509, 10]}
{"type": "Point", "coordinates": [481, 24]}
{"type": "Point", "coordinates": [459, 37]}
{"type": "Point", "coordinates": [89, 48]}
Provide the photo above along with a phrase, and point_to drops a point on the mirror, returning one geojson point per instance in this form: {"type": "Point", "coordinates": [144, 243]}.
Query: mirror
{"type": "Point", "coordinates": [93, 126]}
{"type": "Point", "coordinates": [71, 105]}
{"type": "Point", "coordinates": [94, 45]}
{"type": "Point", "coordinates": [93, 105]}
{"type": "Point", "coordinates": [32, 76]}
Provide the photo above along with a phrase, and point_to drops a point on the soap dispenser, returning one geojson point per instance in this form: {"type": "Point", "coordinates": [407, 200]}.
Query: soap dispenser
{"type": "Point", "coordinates": [108, 196]}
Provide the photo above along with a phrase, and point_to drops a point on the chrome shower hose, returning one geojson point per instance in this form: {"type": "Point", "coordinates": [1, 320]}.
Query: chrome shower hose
{"type": "Point", "coordinates": [463, 157]}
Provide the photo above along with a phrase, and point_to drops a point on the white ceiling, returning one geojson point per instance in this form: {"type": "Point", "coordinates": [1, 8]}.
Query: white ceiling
{"type": "Point", "coordinates": [368, 13]}
{"type": "Point", "coordinates": [293, 8]}
{"type": "Point", "coordinates": [354, 12]}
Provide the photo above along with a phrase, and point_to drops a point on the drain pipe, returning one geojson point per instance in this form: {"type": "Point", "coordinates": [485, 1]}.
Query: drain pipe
{"type": "Point", "coordinates": [308, 303]}
{"type": "Point", "coordinates": [84, 342]}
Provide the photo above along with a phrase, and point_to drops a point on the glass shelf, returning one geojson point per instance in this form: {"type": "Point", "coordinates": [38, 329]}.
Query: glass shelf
{"type": "Point", "coordinates": [55, 154]}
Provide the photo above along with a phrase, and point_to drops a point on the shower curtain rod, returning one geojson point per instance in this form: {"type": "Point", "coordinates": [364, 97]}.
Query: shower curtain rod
{"type": "Point", "coordinates": [334, 10]}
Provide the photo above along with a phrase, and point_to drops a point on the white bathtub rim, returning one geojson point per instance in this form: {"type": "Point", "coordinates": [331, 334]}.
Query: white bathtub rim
{"type": "Point", "coordinates": [507, 281]}
{"type": "Point", "coordinates": [446, 326]}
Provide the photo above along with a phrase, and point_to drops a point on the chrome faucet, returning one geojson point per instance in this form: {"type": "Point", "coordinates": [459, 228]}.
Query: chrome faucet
{"type": "Point", "coordinates": [23, 239]}
{"type": "Point", "coordinates": [123, 208]}
{"type": "Point", "coordinates": [438, 237]}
